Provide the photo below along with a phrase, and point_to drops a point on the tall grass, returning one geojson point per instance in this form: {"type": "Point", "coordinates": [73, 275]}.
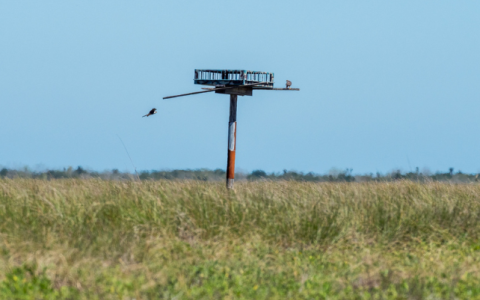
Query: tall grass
{"type": "Point", "coordinates": [163, 239]}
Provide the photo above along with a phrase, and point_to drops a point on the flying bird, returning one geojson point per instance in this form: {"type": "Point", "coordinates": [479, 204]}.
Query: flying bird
{"type": "Point", "coordinates": [152, 112]}
{"type": "Point", "coordinates": [289, 84]}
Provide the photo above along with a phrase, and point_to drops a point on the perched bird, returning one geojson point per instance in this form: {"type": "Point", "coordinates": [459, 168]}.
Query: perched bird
{"type": "Point", "coordinates": [152, 112]}
{"type": "Point", "coordinates": [289, 84]}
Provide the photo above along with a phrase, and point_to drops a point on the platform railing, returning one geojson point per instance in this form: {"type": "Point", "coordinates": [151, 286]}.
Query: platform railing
{"type": "Point", "coordinates": [251, 77]}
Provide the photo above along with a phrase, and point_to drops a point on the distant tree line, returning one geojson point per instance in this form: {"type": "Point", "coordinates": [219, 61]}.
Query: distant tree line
{"type": "Point", "coordinates": [256, 175]}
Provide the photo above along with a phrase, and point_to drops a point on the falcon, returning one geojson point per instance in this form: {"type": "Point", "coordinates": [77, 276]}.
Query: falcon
{"type": "Point", "coordinates": [289, 84]}
{"type": "Point", "coordinates": [152, 112]}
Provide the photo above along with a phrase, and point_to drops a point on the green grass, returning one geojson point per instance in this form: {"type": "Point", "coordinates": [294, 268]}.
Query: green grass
{"type": "Point", "coordinates": [96, 239]}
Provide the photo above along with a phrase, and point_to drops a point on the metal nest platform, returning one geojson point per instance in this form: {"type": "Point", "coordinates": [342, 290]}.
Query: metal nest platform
{"type": "Point", "coordinates": [234, 78]}
{"type": "Point", "coordinates": [234, 82]}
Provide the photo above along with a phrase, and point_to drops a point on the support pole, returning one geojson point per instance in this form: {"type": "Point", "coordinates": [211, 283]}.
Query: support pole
{"type": "Point", "coordinates": [232, 141]}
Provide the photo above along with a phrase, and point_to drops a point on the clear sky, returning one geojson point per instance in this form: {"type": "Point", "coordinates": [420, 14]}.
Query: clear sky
{"type": "Point", "coordinates": [384, 84]}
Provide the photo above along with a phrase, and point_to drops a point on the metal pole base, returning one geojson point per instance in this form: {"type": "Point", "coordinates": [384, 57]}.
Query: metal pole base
{"type": "Point", "coordinates": [230, 184]}
{"type": "Point", "coordinates": [232, 143]}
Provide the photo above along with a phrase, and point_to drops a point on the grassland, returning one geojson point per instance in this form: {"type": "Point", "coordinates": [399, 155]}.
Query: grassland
{"type": "Point", "coordinates": [98, 239]}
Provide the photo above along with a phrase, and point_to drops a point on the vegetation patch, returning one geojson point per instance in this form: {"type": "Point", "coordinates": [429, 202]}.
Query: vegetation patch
{"type": "Point", "coordinates": [103, 239]}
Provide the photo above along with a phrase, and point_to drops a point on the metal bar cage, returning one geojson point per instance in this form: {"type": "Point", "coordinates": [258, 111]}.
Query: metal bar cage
{"type": "Point", "coordinates": [233, 77]}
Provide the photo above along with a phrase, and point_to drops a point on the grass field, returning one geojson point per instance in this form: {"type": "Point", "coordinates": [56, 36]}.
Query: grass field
{"type": "Point", "coordinates": [97, 239]}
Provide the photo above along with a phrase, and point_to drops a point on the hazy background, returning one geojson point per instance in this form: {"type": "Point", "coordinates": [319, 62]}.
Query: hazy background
{"type": "Point", "coordinates": [384, 85]}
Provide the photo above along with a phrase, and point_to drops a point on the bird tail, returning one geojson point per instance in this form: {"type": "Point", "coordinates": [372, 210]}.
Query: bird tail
{"type": "Point", "coordinates": [145, 116]}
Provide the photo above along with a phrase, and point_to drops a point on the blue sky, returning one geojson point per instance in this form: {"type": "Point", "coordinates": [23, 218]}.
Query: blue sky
{"type": "Point", "coordinates": [384, 84]}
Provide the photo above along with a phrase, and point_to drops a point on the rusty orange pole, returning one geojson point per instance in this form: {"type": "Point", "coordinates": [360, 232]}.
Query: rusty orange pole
{"type": "Point", "coordinates": [232, 141]}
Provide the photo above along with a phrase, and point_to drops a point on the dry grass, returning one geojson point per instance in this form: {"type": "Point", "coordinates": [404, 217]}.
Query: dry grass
{"type": "Point", "coordinates": [96, 239]}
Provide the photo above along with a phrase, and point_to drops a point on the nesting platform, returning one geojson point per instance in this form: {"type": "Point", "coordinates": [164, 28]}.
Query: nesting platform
{"type": "Point", "coordinates": [234, 78]}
